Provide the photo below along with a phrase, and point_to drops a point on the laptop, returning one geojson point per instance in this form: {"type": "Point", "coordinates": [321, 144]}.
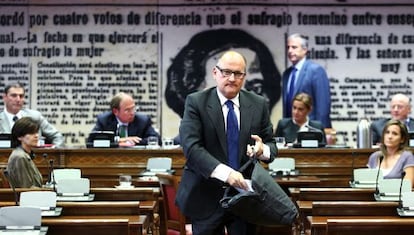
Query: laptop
{"type": "Point", "coordinates": [157, 165]}
{"type": "Point", "coordinates": [366, 178]}
{"type": "Point", "coordinates": [5, 140]}
{"type": "Point", "coordinates": [102, 139]}
{"type": "Point", "coordinates": [74, 190]}
{"type": "Point", "coordinates": [283, 166]}
{"type": "Point", "coordinates": [21, 220]}
{"type": "Point", "coordinates": [389, 189]}
{"type": "Point", "coordinates": [309, 139]}
{"type": "Point", "coordinates": [45, 200]}
{"type": "Point", "coordinates": [407, 209]}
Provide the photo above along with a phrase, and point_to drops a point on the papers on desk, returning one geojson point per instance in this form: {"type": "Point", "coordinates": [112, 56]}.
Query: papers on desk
{"type": "Point", "coordinates": [75, 197]}
{"type": "Point", "coordinates": [23, 230]}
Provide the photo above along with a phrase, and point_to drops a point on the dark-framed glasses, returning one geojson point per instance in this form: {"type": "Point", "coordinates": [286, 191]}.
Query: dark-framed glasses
{"type": "Point", "coordinates": [227, 73]}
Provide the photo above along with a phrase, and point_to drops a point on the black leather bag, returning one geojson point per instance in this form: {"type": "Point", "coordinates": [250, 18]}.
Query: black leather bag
{"type": "Point", "coordinates": [267, 205]}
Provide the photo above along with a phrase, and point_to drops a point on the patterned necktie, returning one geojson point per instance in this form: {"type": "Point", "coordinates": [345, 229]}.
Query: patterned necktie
{"type": "Point", "coordinates": [123, 131]}
{"type": "Point", "coordinates": [291, 91]}
{"type": "Point", "coordinates": [232, 137]}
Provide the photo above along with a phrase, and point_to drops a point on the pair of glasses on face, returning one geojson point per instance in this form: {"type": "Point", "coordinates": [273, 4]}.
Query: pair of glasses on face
{"type": "Point", "coordinates": [227, 73]}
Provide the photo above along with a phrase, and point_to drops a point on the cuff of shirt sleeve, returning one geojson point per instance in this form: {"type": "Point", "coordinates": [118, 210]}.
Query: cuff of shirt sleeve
{"type": "Point", "coordinates": [222, 172]}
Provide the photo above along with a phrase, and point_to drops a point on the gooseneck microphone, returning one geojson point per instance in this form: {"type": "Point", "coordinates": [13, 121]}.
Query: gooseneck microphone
{"type": "Point", "coordinates": [53, 182]}
{"type": "Point", "coordinates": [352, 167]}
{"type": "Point", "coordinates": [49, 175]}
{"type": "Point", "coordinates": [399, 195]}
{"type": "Point", "coordinates": [379, 169]}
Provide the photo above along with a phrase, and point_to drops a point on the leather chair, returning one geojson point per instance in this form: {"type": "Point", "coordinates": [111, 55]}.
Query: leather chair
{"type": "Point", "coordinates": [175, 221]}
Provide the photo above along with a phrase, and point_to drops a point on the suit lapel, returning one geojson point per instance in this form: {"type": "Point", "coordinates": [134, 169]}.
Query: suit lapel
{"type": "Point", "coordinates": [246, 116]}
{"type": "Point", "coordinates": [301, 77]}
{"type": "Point", "coordinates": [215, 114]}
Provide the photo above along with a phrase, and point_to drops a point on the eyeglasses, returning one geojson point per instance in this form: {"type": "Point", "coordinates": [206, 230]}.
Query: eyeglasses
{"type": "Point", "coordinates": [227, 73]}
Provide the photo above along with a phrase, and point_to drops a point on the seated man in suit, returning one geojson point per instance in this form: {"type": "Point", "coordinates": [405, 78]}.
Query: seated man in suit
{"type": "Point", "coordinates": [14, 99]}
{"type": "Point", "coordinates": [400, 109]}
{"type": "Point", "coordinates": [289, 127]}
{"type": "Point", "coordinates": [131, 127]}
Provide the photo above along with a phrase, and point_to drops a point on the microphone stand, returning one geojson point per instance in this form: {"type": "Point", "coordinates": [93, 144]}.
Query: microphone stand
{"type": "Point", "coordinates": [400, 205]}
{"type": "Point", "coordinates": [352, 167]}
{"type": "Point", "coordinates": [379, 169]}
{"type": "Point", "coordinates": [53, 182]}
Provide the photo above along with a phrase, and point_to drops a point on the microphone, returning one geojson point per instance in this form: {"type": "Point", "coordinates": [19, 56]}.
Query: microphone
{"type": "Point", "coordinates": [49, 175]}
{"type": "Point", "coordinates": [6, 174]}
{"type": "Point", "coordinates": [400, 199]}
{"type": "Point", "coordinates": [311, 128]}
{"type": "Point", "coordinates": [379, 169]}
{"type": "Point", "coordinates": [352, 167]}
{"type": "Point", "coordinates": [52, 175]}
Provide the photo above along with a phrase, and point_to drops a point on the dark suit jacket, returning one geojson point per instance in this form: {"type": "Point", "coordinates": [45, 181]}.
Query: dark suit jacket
{"type": "Point", "coordinates": [203, 137]}
{"type": "Point", "coordinates": [314, 81]}
{"type": "Point", "coordinates": [141, 126]}
{"type": "Point", "coordinates": [286, 128]}
{"type": "Point", "coordinates": [378, 125]}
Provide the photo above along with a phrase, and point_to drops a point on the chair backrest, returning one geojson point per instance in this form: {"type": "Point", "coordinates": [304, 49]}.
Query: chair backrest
{"type": "Point", "coordinates": [20, 216]}
{"type": "Point", "coordinates": [41, 199]}
{"type": "Point", "coordinates": [4, 179]}
{"type": "Point", "coordinates": [159, 164]}
{"type": "Point", "coordinates": [282, 164]}
{"type": "Point", "coordinates": [67, 173]}
{"type": "Point", "coordinates": [174, 219]}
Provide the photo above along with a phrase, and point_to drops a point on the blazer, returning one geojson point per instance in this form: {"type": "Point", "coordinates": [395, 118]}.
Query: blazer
{"type": "Point", "coordinates": [141, 126]}
{"type": "Point", "coordinates": [378, 125]}
{"type": "Point", "coordinates": [203, 138]}
{"type": "Point", "coordinates": [22, 170]}
{"type": "Point", "coordinates": [314, 81]}
{"type": "Point", "coordinates": [46, 129]}
{"type": "Point", "coordinates": [286, 128]}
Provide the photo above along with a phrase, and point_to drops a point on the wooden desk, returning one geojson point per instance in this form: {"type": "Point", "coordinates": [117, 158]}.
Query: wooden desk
{"type": "Point", "coordinates": [332, 194]}
{"type": "Point", "coordinates": [100, 208]}
{"type": "Point", "coordinates": [133, 194]}
{"type": "Point", "coordinates": [99, 224]}
{"type": "Point", "coordinates": [374, 224]}
{"type": "Point", "coordinates": [338, 208]}
{"type": "Point", "coordinates": [332, 166]}
{"type": "Point", "coordinates": [378, 226]}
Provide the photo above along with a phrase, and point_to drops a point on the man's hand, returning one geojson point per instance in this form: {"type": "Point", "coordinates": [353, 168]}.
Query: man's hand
{"type": "Point", "coordinates": [129, 141]}
{"type": "Point", "coordinates": [257, 148]}
{"type": "Point", "coordinates": [237, 180]}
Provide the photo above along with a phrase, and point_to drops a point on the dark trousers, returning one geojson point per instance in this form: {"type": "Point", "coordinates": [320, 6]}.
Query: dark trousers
{"type": "Point", "coordinates": [219, 221]}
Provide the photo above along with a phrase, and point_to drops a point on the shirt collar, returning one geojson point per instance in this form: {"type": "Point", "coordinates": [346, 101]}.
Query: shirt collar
{"type": "Point", "coordinates": [299, 64]}
{"type": "Point", "coordinates": [223, 99]}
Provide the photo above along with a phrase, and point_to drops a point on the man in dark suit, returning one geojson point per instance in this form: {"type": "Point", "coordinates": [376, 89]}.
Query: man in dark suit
{"type": "Point", "coordinates": [205, 145]}
{"type": "Point", "coordinates": [138, 127]}
{"type": "Point", "coordinates": [308, 77]}
{"type": "Point", "coordinates": [289, 127]}
{"type": "Point", "coordinates": [400, 108]}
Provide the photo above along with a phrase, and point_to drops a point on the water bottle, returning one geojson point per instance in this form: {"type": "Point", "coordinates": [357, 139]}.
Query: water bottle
{"type": "Point", "coordinates": [364, 134]}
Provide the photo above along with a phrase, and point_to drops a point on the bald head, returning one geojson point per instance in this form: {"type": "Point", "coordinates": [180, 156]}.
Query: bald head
{"type": "Point", "coordinates": [231, 56]}
{"type": "Point", "coordinates": [400, 107]}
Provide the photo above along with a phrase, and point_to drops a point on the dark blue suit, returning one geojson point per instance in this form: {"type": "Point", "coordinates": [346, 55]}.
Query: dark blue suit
{"type": "Point", "coordinates": [203, 138]}
{"type": "Point", "coordinates": [286, 128]}
{"type": "Point", "coordinates": [141, 126]}
{"type": "Point", "coordinates": [314, 81]}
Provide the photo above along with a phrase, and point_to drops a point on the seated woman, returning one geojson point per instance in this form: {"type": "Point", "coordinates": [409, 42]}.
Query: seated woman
{"type": "Point", "coordinates": [397, 155]}
{"type": "Point", "coordinates": [22, 171]}
{"type": "Point", "coordinates": [289, 127]}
